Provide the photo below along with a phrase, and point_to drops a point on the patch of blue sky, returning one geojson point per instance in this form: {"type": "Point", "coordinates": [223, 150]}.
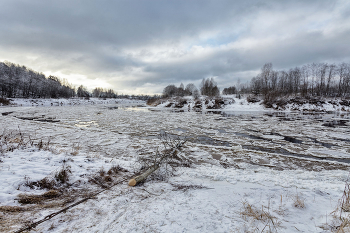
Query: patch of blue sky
{"type": "Point", "coordinates": [316, 25]}
{"type": "Point", "coordinates": [219, 40]}
{"type": "Point", "coordinates": [215, 41]}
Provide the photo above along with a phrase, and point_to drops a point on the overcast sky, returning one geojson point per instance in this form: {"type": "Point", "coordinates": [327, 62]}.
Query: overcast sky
{"type": "Point", "coordinates": [141, 46]}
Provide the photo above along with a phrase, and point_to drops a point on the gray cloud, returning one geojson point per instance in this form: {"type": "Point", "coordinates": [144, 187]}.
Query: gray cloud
{"type": "Point", "coordinates": [144, 45]}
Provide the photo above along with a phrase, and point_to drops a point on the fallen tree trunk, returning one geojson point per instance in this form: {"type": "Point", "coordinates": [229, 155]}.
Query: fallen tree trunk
{"type": "Point", "coordinates": [137, 179]}
{"type": "Point", "coordinates": [143, 176]}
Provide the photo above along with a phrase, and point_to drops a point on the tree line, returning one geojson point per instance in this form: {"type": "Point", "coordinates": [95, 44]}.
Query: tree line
{"type": "Point", "coordinates": [208, 87]}
{"type": "Point", "coordinates": [21, 82]}
{"type": "Point", "coordinates": [316, 79]}
{"type": "Point", "coordinates": [310, 80]}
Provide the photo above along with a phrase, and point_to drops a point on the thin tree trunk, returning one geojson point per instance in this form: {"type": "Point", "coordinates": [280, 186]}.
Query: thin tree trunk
{"type": "Point", "coordinates": [143, 176]}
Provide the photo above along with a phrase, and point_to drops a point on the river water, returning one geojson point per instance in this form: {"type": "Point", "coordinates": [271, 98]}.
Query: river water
{"type": "Point", "coordinates": [277, 140]}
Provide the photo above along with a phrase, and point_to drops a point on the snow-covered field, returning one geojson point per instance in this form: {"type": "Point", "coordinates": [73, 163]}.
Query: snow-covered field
{"type": "Point", "coordinates": [250, 172]}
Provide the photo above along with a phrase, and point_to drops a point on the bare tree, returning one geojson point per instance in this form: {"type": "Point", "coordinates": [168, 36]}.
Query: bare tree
{"type": "Point", "coordinates": [343, 73]}
{"type": "Point", "coordinates": [196, 93]}
{"type": "Point", "coordinates": [190, 88]}
{"type": "Point", "coordinates": [180, 91]}
{"type": "Point", "coordinates": [331, 73]}
{"type": "Point", "coordinates": [305, 81]}
{"type": "Point", "coordinates": [266, 71]}
{"type": "Point", "coordinates": [82, 91]}
{"type": "Point", "coordinates": [257, 85]}
{"type": "Point", "coordinates": [322, 69]}
{"type": "Point", "coordinates": [209, 87]}
{"type": "Point", "coordinates": [97, 92]}
{"type": "Point", "coordinates": [229, 90]}
{"type": "Point", "coordinates": [317, 79]}
{"type": "Point", "coordinates": [170, 91]}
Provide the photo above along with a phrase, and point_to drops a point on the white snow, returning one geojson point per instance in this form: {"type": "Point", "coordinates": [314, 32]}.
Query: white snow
{"type": "Point", "coordinates": [234, 104]}
{"type": "Point", "coordinates": [241, 105]}
{"type": "Point", "coordinates": [32, 164]}
{"type": "Point", "coordinates": [103, 136]}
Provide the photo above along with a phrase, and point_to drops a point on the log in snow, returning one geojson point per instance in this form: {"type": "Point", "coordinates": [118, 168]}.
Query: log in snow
{"type": "Point", "coordinates": [143, 176]}
{"type": "Point", "coordinates": [134, 181]}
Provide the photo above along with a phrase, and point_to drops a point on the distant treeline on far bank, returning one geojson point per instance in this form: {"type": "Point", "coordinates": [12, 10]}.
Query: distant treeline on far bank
{"type": "Point", "coordinates": [21, 82]}
{"type": "Point", "coordinates": [311, 80]}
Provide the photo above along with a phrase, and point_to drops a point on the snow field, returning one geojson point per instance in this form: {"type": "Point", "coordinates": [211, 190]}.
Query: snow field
{"type": "Point", "coordinates": [103, 137]}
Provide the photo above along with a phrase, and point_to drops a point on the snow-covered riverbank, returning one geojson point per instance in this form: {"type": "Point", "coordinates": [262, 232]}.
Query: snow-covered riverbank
{"type": "Point", "coordinates": [20, 102]}
{"type": "Point", "coordinates": [232, 103]}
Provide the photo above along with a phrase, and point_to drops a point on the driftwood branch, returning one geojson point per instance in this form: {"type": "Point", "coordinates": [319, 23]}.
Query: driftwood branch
{"type": "Point", "coordinates": [159, 159]}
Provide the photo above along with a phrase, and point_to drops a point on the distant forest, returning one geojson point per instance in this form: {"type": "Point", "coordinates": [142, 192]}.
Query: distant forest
{"type": "Point", "coordinates": [21, 82]}
{"type": "Point", "coordinates": [311, 80]}
{"type": "Point", "coordinates": [316, 79]}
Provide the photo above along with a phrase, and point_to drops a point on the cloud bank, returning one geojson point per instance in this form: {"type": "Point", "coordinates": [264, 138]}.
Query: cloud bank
{"type": "Point", "coordinates": [142, 46]}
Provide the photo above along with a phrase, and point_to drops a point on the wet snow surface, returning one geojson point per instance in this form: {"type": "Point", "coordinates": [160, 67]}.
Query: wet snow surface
{"type": "Point", "coordinates": [265, 159]}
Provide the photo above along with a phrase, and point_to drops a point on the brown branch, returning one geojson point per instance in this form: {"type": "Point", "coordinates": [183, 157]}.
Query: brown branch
{"type": "Point", "coordinates": [156, 164]}
{"type": "Point", "coordinates": [48, 217]}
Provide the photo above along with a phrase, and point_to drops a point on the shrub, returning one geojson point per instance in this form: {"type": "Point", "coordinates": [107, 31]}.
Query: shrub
{"type": "Point", "coordinates": [153, 102]}
{"type": "Point", "coordinates": [180, 103]}
{"type": "Point", "coordinates": [62, 176]}
{"type": "Point", "coordinates": [270, 99]}
{"type": "Point", "coordinates": [264, 217]}
{"type": "Point", "coordinates": [36, 199]}
{"type": "Point", "coordinates": [198, 104]}
{"type": "Point", "coordinates": [45, 183]}
{"type": "Point", "coordinates": [273, 98]}
{"type": "Point", "coordinates": [169, 105]}
{"type": "Point", "coordinates": [219, 101]}
{"type": "Point", "coordinates": [345, 102]}
{"type": "Point", "coordinates": [4, 101]}
{"type": "Point", "coordinates": [298, 202]}
{"type": "Point", "coordinates": [252, 99]}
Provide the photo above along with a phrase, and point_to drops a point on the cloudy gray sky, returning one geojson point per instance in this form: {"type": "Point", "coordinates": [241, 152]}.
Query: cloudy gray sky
{"type": "Point", "coordinates": [140, 46]}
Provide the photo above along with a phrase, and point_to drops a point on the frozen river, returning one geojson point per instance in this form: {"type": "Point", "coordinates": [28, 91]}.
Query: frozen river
{"type": "Point", "coordinates": [277, 140]}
